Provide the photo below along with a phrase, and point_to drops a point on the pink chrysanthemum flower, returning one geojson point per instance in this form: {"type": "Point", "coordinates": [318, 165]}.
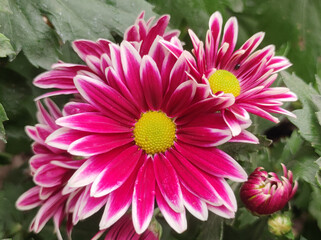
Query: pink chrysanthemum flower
{"type": "Point", "coordinates": [243, 74]}
{"type": "Point", "coordinates": [51, 168]}
{"type": "Point", "coordinates": [143, 35]}
{"type": "Point", "coordinates": [265, 193]}
{"type": "Point", "coordinates": [150, 133]}
{"type": "Point", "coordinates": [123, 229]}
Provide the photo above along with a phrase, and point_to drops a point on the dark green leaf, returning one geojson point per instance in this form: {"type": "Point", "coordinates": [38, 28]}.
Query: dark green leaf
{"type": "Point", "coordinates": [315, 205]}
{"type": "Point", "coordinates": [296, 22]}
{"type": "Point", "coordinates": [29, 29]}
{"type": "Point", "coordinates": [212, 228]}
{"type": "Point", "coordinates": [306, 121]}
{"type": "Point", "coordinates": [244, 218]}
{"type": "Point", "coordinates": [17, 99]}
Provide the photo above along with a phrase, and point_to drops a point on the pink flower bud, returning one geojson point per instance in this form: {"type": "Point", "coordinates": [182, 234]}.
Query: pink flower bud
{"type": "Point", "coordinates": [265, 193]}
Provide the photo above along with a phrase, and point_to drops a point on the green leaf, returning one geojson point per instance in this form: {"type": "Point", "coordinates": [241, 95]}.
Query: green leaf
{"type": "Point", "coordinates": [5, 46]}
{"type": "Point", "coordinates": [315, 205]}
{"type": "Point", "coordinates": [4, 6]}
{"type": "Point", "coordinates": [287, 21]}
{"type": "Point", "coordinates": [191, 14]}
{"type": "Point", "coordinates": [29, 29]}
{"type": "Point", "coordinates": [3, 117]}
{"type": "Point", "coordinates": [16, 96]}
{"type": "Point", "coordinates": [212, 228]}
{"type": "Point", "coordinates": [244, 218]}
{"type": "Point", "coordinates": [306, 121]}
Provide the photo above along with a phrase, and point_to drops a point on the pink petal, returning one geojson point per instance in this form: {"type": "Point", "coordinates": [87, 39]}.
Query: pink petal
{"type": "Point", "coordinates": [90, 205]}
{"type": "Point", "coordinates": [195, 205]}
{"type": "Point", "coordinates": [168, 182]}
{"type": "Point", "coordinates": [48, 119]}
{"type": "Point", "coordinates": [63, 137]}
{"type": "Point", "coordinates": [72, 108]}
{"type": "Point", "coordinates": [195, 136]}
{"type": "Point", "coordinates": [213, 161]}
{"type": "Point", "coordinates": [98, 143]}
{"type": "Point", "coordinates": [175, 50]}
{"type": "Point", "coordinates": [192, 178]}
{"type": "Point", "coordinates": [29, 200]}
{"type": "Point", "coordinates": [131, 62]}
{"type": "Point", "coordinates": [224, 191]}
{"type": "Point", "coordinates": [85, 48]}
{"type": "Point", "coordinates": [245, 137]}
{"type": "Point", "coordinates": [144, 197]}
{"type": "Point", "coordinates": [48, 209]}
{"type": "Point", "coordinates": [116, 172]}
{"type": "Point", "coordinates": [92, 167]}
{"type": "Point", "coordinates": [258, 111]}
{"type": "Point", "coordinates": [157, 29]}
{"type": "Point", "coordinates": [215, 26]}
{"type": "Point", "coordinates": [230, 37]}
{"type": "Point", "coordinates": [181, 97]}
{"type": "Point", "coordinates": [232, 122]}
{"type": "Point", "coordinates": [120, 199]}
{"type": "Point", "coordinates": [221, 211]}
{"type": "Point", "coordinates": [56, 93]}
{"type": "Point", "coordinates": [105, 98]}
{"type": "Point", "coordinates": [176, 77]}
{"type": "Point", "coordinates": [151, 83]}
{"type": "Point", "coordinates": [176, 220]}
{"type": "Point", "coordinates": [49, 175]}
{"type": "Point", "coordinates": [92, 122]}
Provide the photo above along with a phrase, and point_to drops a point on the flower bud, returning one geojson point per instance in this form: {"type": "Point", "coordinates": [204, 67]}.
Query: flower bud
{"type": "Point", "coordinates": [279, 224]}
{"type": "Point", "coordinates": [265, 193]}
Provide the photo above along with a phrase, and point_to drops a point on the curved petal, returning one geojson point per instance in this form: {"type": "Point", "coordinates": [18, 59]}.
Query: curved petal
{"type": "Point", "coordinates": [191, 178]}
{"type": "Point", "coordinates": [105, 98]}
{"type": "Point", "coordinates": [29, 200]}
{"type": "Point", "coordinates": [176, 220]}
{"type": "Point", "coordinates": [116, 172]}
{"type": "Point", "coordinates": [144, 197]}
{"type": "Point", "coordinates": [120, 199]}
{"type": "Point", "coordinates": [213, 161]}
{"type": "Point", "coordinates": [168, 182]}
{"type": "Point", "coordinates": [98, 143]}
{"type": "Point", "coordinates": [131, 62]}
{"type": "Point", "coordinates": [195, 205]}
{"type": "Point", "coordinates": [63, 137]}
{"type": "Point", "coordinates": [92, 167]}
{"type": "Point", "coordinates": [92, 122]}
{"type": "Point", "coordinates": [151, 83]}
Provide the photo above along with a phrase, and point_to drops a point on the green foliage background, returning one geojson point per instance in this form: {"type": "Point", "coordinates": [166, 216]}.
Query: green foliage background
{"type": "Point", "coordinates": [29, 45]}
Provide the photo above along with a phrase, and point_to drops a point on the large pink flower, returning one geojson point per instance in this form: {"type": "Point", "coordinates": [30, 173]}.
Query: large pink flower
{"type": "Point", "coordinates": [143, 35]}
{"type": "Point", "coordinates": [243, 74]}
{"type": "Point", "coordinates": [148, 132]}
{"type": "Point", "coordinates": [51, 168]}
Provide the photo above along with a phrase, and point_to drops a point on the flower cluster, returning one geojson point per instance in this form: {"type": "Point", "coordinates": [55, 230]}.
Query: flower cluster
{"type": "Point", "coordinates": [143, 125]}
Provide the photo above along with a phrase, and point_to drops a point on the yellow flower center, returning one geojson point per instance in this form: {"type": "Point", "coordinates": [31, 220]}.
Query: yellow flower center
{"type": "Point", "coordinates": [224, 81]}
{"type": "Point", "coordinates": [154, 132]}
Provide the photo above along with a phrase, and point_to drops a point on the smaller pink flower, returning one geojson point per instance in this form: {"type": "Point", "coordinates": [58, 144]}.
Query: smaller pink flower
{"type": "Point", "coordinates": [124, 229]}
{"type": "Point", "coordinates": [264, 193]}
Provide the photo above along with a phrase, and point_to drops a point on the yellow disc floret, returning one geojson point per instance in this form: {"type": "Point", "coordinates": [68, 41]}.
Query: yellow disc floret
{"type": "Point", "coordinates": [154, 132]}
{"type": "Point", "coordinates": [224, 81]}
